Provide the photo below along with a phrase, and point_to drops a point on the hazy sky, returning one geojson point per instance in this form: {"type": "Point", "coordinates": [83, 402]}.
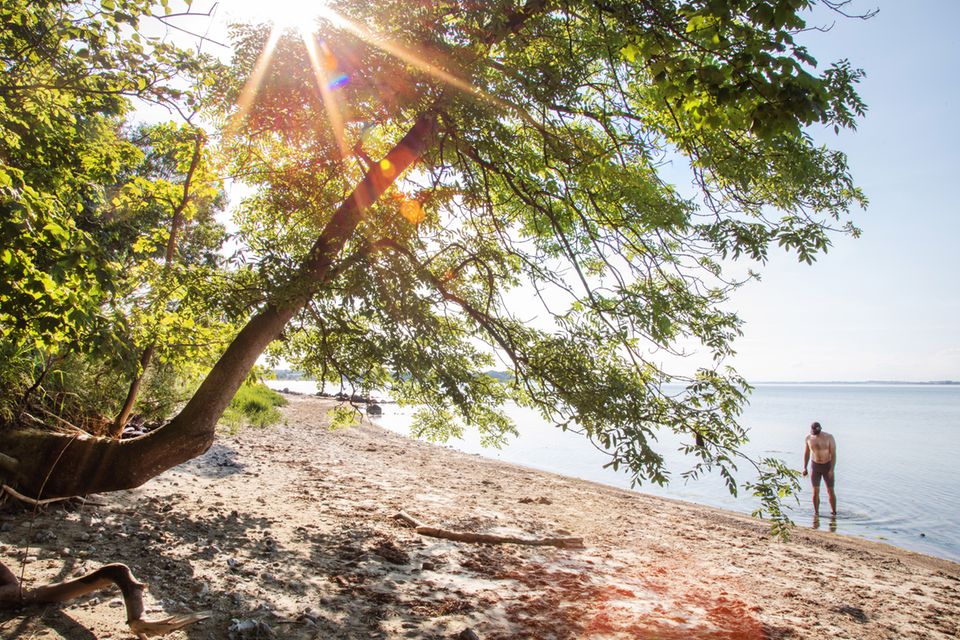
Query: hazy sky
{"type": "Point", "coordinates": [885, 306]}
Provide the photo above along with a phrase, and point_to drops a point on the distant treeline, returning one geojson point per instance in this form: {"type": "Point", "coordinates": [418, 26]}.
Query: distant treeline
{"type": "Point", "coordinates": [287, 374]}
{"type": "Point", "coordinates": [291, 374]}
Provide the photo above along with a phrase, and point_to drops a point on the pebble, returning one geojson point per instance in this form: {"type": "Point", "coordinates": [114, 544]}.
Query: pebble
{"type": "Point", "coordinates": [44, 535]}
{"type": "Point", "coordinates": [468, 634]}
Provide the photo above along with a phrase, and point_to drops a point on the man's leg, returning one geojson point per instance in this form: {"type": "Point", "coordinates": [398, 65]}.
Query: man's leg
{"type": "Point", "coordinates": [830, 494]}
{"type": "Point", "coordinates": [815, 475]}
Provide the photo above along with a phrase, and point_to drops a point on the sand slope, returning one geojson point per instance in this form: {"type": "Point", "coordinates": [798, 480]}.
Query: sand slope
{"type": "Point", "coordinates": [288, 533]}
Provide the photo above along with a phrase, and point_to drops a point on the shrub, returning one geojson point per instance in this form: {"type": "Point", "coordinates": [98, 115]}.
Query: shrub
{"type": "Point", "coordinates": [254, 404]}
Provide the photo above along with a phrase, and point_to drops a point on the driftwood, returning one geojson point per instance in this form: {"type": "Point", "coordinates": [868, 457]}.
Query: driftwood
{"type": "Point", "coordinates": [487, 538]}
{"type": "Point", "coordinates": [12, 594]}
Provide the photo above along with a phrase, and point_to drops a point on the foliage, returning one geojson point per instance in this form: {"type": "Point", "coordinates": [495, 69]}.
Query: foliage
{"type": "Point", "coordinates": [546, 180]}
{"type": "Point", "coordinates": [89, 207]}
{"type": "Point", "coordinates": [254, 404]}
{"type": "Point", "coordinates": [172, 281]}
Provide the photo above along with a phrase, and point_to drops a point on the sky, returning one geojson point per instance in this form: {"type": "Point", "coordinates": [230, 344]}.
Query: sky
{"type": "Point", "coordinates": [884, 306]}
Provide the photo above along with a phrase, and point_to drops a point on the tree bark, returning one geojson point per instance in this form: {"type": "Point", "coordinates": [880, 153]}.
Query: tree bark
{"type": "Point", "coordinates": [47, 464]}
{"type": "Point", "coordinates": [121, 420]}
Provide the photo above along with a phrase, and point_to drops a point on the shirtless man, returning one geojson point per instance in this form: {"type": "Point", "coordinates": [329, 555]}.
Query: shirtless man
{"type": "Point", "coordinates": [823, 448]}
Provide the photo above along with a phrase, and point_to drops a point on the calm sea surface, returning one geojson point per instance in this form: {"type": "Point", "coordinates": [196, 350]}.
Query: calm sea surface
{"type": "Point", "coordinates": [898, 480]}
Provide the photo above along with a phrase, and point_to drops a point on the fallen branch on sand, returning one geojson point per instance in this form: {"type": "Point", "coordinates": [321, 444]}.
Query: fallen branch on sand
{"type": "Point", "coordinates": [486, 538]}
{"type": "Point", "coordinates": [13, 594]}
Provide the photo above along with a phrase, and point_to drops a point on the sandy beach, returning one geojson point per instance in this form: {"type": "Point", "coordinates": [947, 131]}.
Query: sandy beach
{"type": "Point", "coordinates": [289, 532]}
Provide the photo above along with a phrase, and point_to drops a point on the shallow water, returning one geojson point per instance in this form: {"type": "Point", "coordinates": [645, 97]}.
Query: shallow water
{"type": "Point", "coordinates": [897, 480]}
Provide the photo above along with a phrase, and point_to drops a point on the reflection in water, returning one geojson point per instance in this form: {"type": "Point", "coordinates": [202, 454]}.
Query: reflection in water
{"type": "Point", "coordinates": [832, 526]}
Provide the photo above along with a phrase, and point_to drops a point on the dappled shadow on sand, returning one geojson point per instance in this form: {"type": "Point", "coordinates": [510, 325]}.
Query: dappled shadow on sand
{"type": "Point", "coordinates": [363, 580]}
{"type": "Point", "coordinates": [149, 538]}
{"type": "Point", "coordinates": [292, 538]}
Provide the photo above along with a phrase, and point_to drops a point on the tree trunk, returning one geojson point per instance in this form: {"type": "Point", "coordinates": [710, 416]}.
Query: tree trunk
{"type": "Point", "coordinates": [47, 464]}
{"type": "Point", "coordinates": [121, 420]}
{"type": "Point", "coordinates": [176, 220]}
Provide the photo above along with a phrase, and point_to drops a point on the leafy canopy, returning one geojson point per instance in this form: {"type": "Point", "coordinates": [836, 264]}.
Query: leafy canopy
{"type": "Point", "coordinates": [547, 178]}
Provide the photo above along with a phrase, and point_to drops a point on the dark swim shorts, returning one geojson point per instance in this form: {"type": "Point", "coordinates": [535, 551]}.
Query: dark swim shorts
{"type": "Point", "coordinates": [821, 471]}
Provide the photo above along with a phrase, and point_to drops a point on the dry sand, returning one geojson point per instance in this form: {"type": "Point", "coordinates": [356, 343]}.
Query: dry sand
{"type": "Point", "coordinates": [289, 532]}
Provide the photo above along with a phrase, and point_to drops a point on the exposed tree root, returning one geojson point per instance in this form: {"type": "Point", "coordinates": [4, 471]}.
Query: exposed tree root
{"type": "Point", "coordinates": [12, 594]}
{"type": "Point", "coordinates": [486, 538]}
{"type": "Point", "coordinates": [36, 503]}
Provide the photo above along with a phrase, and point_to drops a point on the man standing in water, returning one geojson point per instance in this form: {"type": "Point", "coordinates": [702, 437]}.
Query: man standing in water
{"type": "Point", "coordinates": [823, 448]}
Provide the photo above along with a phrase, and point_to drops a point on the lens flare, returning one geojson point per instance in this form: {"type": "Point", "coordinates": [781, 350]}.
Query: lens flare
{"type": "Point", "coordinates": [252, 86]}
{"type": "Point", "coordinates": [338, 81]}
{"type": "Point", "coordinates": [412, 211]}
{"type": "Point", "coordinates": [302, 16]}
{"type": "Point", "coordinates": [320, 60]}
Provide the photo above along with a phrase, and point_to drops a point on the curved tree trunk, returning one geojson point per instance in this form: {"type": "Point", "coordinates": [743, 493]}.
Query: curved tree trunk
{"type": "Point", "coordinates": [46, 464]}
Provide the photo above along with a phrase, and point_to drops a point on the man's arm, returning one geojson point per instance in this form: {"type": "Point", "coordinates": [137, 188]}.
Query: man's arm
{"type": "Point", "coordinates": [833, 453]}
{"type": "Point", "coordinates": [806, 455]}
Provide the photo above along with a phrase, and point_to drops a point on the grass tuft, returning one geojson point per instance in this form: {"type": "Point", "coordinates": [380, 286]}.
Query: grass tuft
{"type": "Point", "coordinates": [254, 405]}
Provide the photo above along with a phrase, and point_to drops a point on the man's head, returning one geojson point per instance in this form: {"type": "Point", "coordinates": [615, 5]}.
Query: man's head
{"type": "Point", "coordinates": [815, 428]}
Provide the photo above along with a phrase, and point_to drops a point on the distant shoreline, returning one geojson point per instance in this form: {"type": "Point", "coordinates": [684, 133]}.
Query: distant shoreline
{"type": "Point", "coordinates": [887, 383]}
{"type": "Point", "coordinates": [290, 374]}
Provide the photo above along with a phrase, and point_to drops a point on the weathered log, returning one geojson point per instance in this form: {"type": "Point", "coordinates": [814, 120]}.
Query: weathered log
{"type": "Point", "coordinates": [486, 538]}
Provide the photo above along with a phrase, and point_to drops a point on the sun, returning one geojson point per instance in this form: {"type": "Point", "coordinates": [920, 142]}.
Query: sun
{"type": "Point", "coordinates": [299, 15]}
{"type": "Point", "coordinates": [284, 15]}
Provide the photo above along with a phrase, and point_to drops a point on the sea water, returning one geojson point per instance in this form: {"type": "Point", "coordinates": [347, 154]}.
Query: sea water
{"type": "Point", "coordinates": [897, 478]}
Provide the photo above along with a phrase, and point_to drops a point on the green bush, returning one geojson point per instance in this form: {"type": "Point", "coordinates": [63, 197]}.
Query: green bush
{"type": "Point", "coordinates": [254, 404]}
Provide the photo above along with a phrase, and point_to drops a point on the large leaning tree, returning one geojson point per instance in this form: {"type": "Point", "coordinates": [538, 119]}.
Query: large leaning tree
{"type": "Point", "coordinates": [419, 173]}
